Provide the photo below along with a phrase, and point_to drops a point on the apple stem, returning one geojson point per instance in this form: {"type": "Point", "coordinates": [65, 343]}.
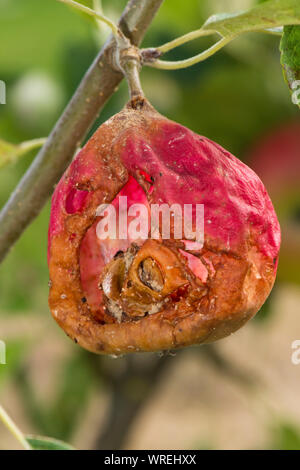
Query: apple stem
{"type": "Point", "coordinates": [131, 71]}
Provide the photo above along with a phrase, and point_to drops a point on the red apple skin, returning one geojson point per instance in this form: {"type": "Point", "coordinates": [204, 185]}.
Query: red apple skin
{"type": "Point", "coordinates": [163, 162]}
{"type": "Point", "coordinates": [275, 157]}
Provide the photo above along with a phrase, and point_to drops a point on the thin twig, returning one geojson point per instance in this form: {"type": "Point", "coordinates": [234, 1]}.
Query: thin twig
{"type": "Point", "coordinates": [131, 70]}
{"type": "Point", "coordinates": [29, 145]}
{"type": "Point", "coordinates": [97, 6]}
{"type": "Point", "coordinates": [97, 86]}
{"type": "Point", "coordinates": [181, 64]}
{"type": "Point", "coordinates": [13, 429]}
{"type": "Point", "coordinates": [168, 46]}
{"type": "Point", "coordinates": [202, 32]}
{"type": "Point", "coordinates": [99, 16]}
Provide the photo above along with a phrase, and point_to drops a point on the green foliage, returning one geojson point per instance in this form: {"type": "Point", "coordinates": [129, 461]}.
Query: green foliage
{"type": "Point", "coordinates": [290, 59]}
{"type": "Point", "coordinates": [290, 47]}
{"type": "Point", "coordinates": [232, 98]}
{"type": "Point", "coordinates": [24, 273]}
{"type": "Point", "coordinates": [239, 95]}
{"type": "Point", "coordinates": [268, 15]}
{"type": "Point", "coordinates": [47, 443]}
{"type": "Point", "coordinates": [87, 3]}
{"type": "Point", "coordinates": [286, 437]}
{"type": "Point", "coordinates": [23, 22]}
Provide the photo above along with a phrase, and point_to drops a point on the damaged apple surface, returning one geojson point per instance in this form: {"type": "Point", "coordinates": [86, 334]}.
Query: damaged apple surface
{"type": "Point", "coordinates": [131, 293]}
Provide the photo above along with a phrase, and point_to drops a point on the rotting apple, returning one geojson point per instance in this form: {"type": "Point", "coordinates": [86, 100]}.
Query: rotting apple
{"type": "Point", "coordinates": [117, 296]}
{"type": "Point", "coordinates": [275, 157]}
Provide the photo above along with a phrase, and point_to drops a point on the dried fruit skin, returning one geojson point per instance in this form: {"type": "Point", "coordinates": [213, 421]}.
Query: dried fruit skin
{"type": "Point", "coordinates": [275, 157]}
{"type": "Point", "coordinates": [158, 294]}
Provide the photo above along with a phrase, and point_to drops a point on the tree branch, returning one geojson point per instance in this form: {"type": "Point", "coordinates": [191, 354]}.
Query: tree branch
{"type": "Point", "coordinates": [96, 88]}
{"type": "Point", "coordinates": [131, 383]}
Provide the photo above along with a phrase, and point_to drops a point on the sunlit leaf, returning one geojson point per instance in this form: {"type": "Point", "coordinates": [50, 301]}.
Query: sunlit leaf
{"type": "Point", "coordinates": [47, 443]}
{"type": "Point", "coordinates": [266, 17]}
{"type": "Point", "coordinates": [271, 14]}
{"type": "Point", "coordinates": [286, 437]}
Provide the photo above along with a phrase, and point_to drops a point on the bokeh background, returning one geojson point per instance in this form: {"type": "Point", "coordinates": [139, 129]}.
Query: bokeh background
{"type": "Point", "coordinates": [241, 393]}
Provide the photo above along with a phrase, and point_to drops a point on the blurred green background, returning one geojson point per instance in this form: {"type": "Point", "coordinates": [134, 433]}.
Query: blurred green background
{"type": "Point", "coordinates": [240, 393]}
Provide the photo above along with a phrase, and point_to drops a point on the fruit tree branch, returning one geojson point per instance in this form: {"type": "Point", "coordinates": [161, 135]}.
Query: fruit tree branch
{"type": "Point", "coordinates": [97, 86]}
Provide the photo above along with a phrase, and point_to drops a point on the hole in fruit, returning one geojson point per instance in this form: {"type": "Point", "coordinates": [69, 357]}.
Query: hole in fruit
{"type": "Point", "coordinates": [150, 274]}
{"type": "Point", "coordinates": [95, 254]}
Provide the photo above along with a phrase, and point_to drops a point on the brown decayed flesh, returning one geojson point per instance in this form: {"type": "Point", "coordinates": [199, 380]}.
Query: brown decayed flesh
{"type": "Point", "coordinates": [157, 301]}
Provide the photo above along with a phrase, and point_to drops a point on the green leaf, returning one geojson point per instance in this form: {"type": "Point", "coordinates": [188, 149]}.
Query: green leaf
{"type": "Point", "coordinates": [290, 60]}
{"type": "Point", "coordinates": [11, 152]}
{"type": "Point", "coordinates": [47, 443]}
{"type": "Point", "coordinates": [286, 437]}
{"type": "Point", "coordinates": [266, 16]}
